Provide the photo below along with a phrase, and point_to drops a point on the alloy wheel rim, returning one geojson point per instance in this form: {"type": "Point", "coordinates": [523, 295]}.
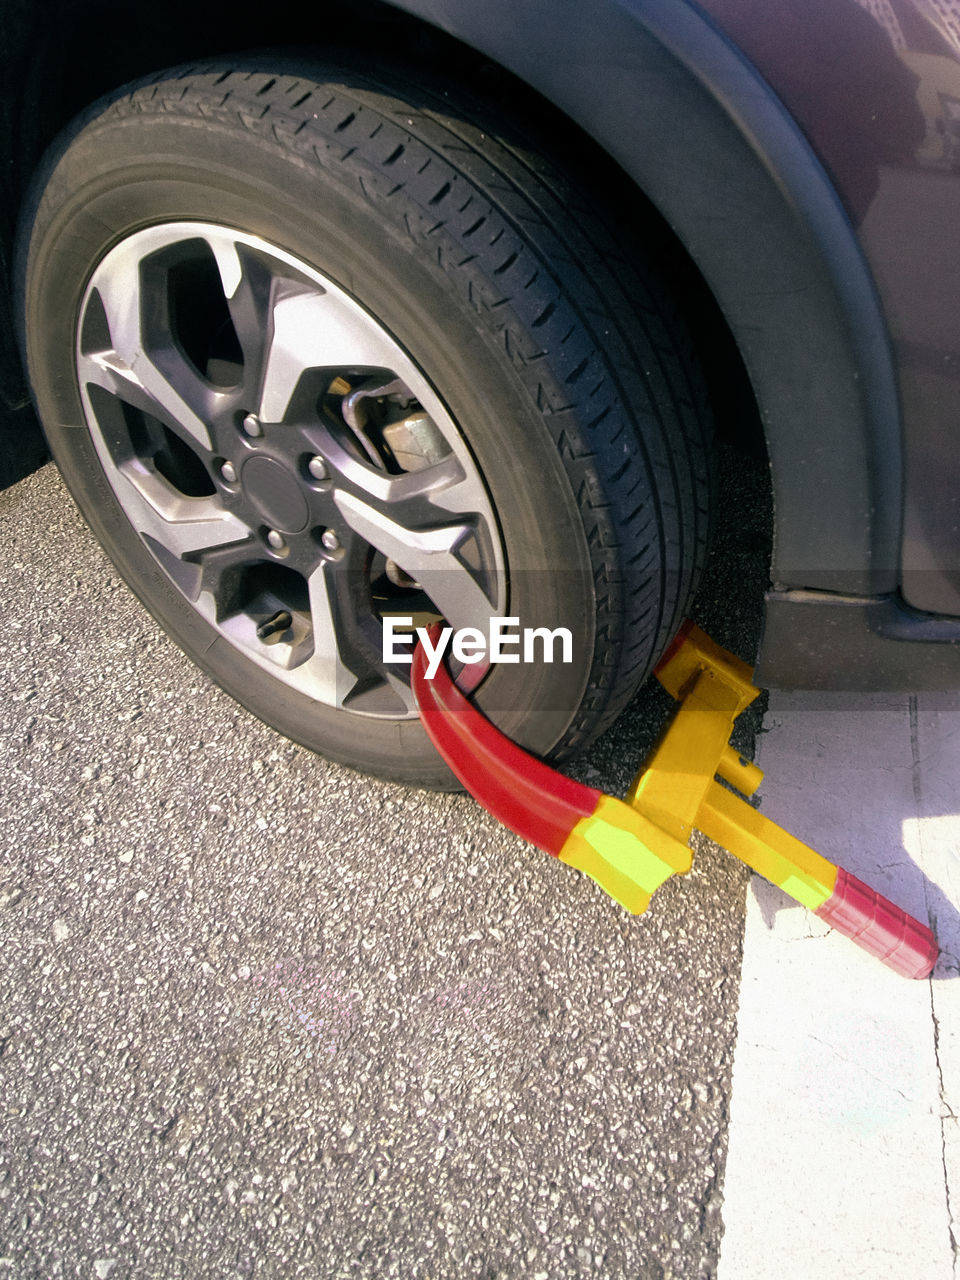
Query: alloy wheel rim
{"type": "Point", "coordinates": [283, 459]}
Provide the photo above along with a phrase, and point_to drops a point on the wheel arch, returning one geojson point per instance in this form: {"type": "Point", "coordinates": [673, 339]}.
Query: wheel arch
{"type": "Point", "coordinates": [749, 201]}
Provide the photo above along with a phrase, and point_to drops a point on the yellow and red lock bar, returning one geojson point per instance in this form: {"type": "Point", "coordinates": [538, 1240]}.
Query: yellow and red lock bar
{"type": "Point", "coordinates": [631, 847]}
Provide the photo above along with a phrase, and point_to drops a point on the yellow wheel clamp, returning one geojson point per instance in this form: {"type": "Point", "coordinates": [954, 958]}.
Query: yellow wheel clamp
{"type": "Point", "coordinates": [631, 847]}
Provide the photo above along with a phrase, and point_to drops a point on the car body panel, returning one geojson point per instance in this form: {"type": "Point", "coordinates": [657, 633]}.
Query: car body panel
{"type": "Point", "coordinates": [875, 86]}
{"type": "Point", "coordinates": [662, 90]}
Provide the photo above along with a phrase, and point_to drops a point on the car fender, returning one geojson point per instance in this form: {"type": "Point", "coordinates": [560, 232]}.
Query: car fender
{"type": "Point", "coordinates": [690, 120]}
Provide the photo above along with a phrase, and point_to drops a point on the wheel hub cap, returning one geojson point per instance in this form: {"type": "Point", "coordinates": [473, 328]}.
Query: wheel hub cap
{"type": "Point", "coordinates": [275, 494]}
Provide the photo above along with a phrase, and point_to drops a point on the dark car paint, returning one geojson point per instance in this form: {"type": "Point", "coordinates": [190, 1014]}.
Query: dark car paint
{"type": "Point", "coordinates": [690, 103]}
{"type": "Point", "coordinates": [875, 85]}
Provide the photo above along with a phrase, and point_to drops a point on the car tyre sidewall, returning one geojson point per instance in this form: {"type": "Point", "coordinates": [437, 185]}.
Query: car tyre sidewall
{"type": "Point", "coordinates": [99, 191]}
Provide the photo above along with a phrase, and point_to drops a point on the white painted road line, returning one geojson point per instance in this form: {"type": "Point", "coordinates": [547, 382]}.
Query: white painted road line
{"type": "Point", "coordinates": [843, 1138]}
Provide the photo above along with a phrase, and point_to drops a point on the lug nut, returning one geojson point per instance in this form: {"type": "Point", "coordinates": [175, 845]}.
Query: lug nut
{"type": "Point", "coordinates": [318, 468]}
{"type": "Point", "coordinates": [229, 472]}
{"type": "Point", "coordinates": [276, 540]}
{"type": "Point", "coordinates": [251, 425]}
{"type": "Point", "coordinates": [330, 540]}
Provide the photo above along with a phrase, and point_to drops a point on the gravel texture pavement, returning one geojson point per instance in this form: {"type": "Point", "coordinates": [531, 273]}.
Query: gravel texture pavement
{"type": "Point", "coordinates": [262, 1016]}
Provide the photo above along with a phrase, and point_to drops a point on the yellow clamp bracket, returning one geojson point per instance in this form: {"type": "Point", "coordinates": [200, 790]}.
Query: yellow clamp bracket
{"type": "Point", "coordinates": [631, 848]}
{"type": "Point", "coordinates": [678, 790]}
{"type": "Point", "coordinates": [678, 782]}
{"type": "Point", "coordinates": [766, 848]}
{"type": "Point", "coordinates": [625, 853]}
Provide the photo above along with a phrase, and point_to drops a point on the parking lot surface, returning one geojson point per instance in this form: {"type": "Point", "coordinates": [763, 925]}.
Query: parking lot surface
{"type": "Point", "coordinates": [260, 1015]}
{"type": "Point", "coordinates": [264, 1016]}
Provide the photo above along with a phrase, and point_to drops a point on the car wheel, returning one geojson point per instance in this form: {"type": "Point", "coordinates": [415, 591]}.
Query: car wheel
{"type": "Point", "coordinates": [312, 350]}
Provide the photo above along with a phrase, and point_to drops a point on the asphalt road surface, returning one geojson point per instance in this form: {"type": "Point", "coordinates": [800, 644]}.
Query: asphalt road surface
{"type": "Point", "coordinates": [262, 1016]}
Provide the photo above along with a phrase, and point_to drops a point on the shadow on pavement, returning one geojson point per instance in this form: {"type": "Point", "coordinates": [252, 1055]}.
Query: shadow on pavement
{"type": "Point", "coordinates": [22, 446]}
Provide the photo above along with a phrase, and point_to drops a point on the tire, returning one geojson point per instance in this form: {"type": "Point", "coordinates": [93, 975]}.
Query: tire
{"type": "Point", "coordinates": [468, 302]}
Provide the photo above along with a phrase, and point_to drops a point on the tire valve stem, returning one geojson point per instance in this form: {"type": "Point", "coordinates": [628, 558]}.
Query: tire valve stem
{"type": "Point", "coordinates": [273, 626]}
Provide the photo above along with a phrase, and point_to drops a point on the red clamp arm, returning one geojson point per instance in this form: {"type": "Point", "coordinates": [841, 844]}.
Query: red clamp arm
{"type": "Point", "coordinates": [880, 927]}
{"type": "Point", "coordinates": [530, 798]}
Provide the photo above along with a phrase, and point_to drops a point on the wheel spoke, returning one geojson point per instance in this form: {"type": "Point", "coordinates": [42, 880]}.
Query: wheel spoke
{"type": "Point", "coordinates": [424, 521]}
{"type": "Point", "coordinates": [329, 670]}
{"type": "Point", "coordinates": [429, 555]}
{"type": "Point", "coordinates": [175, 393]}
{"type": "Point", "coordinates": [215, 570]}
{"type": "Point", "coordinates": [181, 526]}
{"type": "Point", "coordinates": [313, 330]}
{"type": "Point", "coordinates": [403, 692]}
{"type": "Point", "coordinates": [108, 371]}
{"type": "Point", "coordinates": [416, 498]}
{"type": "Point", "coordinates": [248, 287]}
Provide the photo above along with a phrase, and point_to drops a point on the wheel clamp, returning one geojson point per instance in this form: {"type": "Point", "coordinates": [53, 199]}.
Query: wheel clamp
{"type": "Point", "coordinates": [631, 847]}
